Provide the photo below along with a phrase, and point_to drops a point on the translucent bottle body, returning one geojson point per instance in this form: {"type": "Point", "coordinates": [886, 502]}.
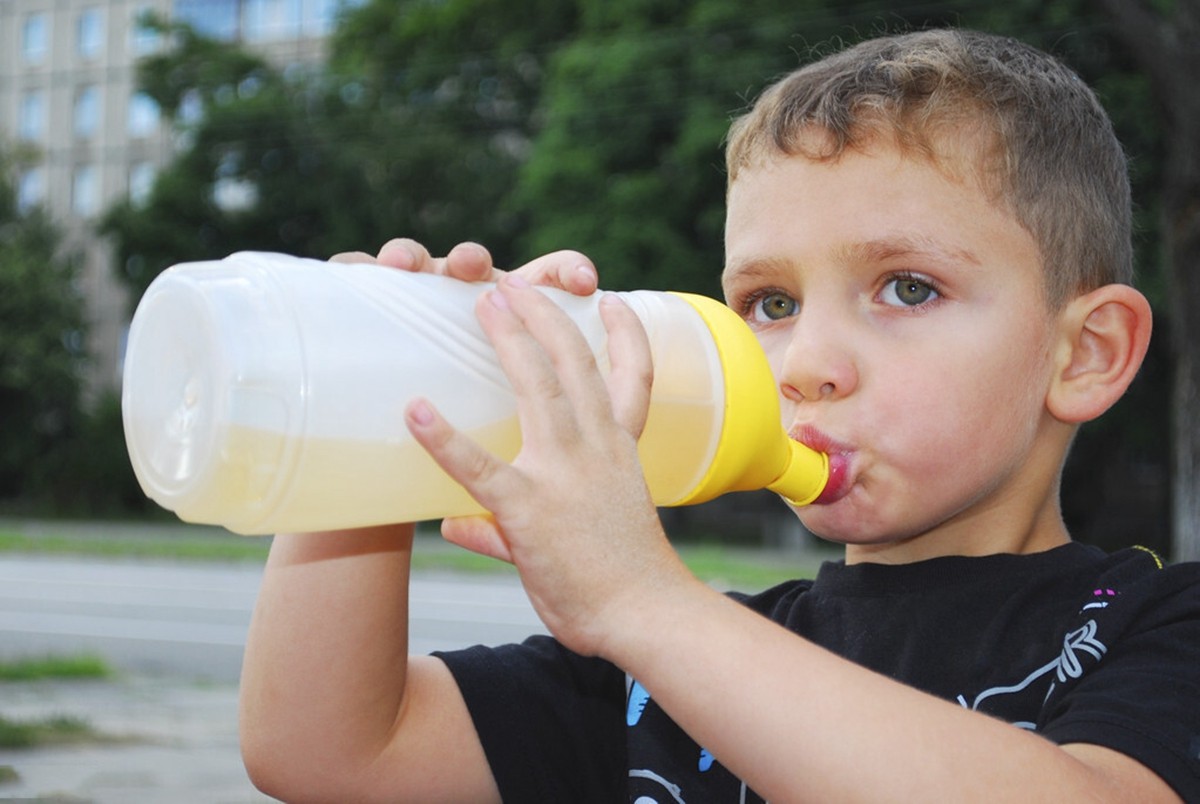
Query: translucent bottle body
{"type": "Point", "coordinates": [265, 393]}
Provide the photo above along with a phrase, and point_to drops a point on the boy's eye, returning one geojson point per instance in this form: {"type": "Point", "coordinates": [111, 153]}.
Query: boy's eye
{"type": "Point", "coordinates": [774, 307]}
{"type": "Point", "coordinates": [907, 291]}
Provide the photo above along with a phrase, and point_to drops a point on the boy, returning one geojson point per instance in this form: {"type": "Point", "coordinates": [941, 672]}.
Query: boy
{"type": "Point", "coordinates": [930, 235]}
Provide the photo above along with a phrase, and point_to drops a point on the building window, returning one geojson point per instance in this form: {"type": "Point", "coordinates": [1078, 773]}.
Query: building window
{"type": "Point", "coordinates": [85, 191]}
{"type": "Point", "coordinates": [143, 40]}
{"type": "Point", "coordinates": [234, 194]}
{"type": "Point", "coordinates": [87, 112]}
{"type": "Point", "coordinates": [143, 115]}
{"type": "Point", "coordinates": [216, 18]}
{"type": "Point", "coordinates": [141, 182]}
{"type": "Point", "coordinates": [261, 20]}
{"type": "Point", "coordinates": [31, 189]}
{"type": "Point", "coordinates": [321, 16]}
{"type": "Point", "coordinates": [89, 33]}
{"type": "Point", "coordinates": [31, 126]}
{"type": "Point", "coordinates": [191, 109]}
{"type": "Point", "coordinates": [35, 38]}
{"type": "Point", "coordinates": [265, 20]}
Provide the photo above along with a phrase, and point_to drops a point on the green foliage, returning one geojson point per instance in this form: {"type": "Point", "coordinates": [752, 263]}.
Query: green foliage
{"type": "Point", "coordinates": [263, 170]}
{"type": "Point", "coordinates": [56, 452]}
{"type": "Point", "coordinates": [419, 126]}
{"type": "Point", "coordinates": [89, 473]}
{"type": "Point", "coordinates": [628, 164]}
{"type": "Point", "coordinates": [445, 102]}
{"type": "Point", "coordinates": [197, 67]}
{"type": "Point", "coordinates": [41, 342]}
{"type": "Point", "coordinates": [595, 126]}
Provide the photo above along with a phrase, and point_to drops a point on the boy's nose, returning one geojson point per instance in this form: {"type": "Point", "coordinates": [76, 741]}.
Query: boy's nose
{"type": "Point", "coordinates": [817, 364]}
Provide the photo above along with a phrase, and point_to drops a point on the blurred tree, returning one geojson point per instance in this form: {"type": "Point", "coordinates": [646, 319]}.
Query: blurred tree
{"type": "Point", "coordinates": [1164, 37]}
{"type": "Point", "coordinates": [418, 126]}
{"type": "Point", "coordinates": [41, 343]}
{"type": "Point", "coordinates": [262, 166]}
{"type": "Point", "coordinates": [627, 168]}
{"type": "Point", "coordinates": [627, 165]}
{"type": "Point", "coordinates": [442, 102]}
{"type": "Point", "coordinates": [589, 125]}
{"type": "Point", "coordinates": [1116, 482]}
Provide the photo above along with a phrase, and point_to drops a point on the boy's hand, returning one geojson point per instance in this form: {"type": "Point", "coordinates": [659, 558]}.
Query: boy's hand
{"type": "Point", "coordinates": [572, 511]}
{"type": "Point", "coordinates": [471, 262]}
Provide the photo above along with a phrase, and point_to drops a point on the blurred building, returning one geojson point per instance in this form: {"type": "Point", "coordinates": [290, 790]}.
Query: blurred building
{"type": "Point", "coordinates": [68, 92]}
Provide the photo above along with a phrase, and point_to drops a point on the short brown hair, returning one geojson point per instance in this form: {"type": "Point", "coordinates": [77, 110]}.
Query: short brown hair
{"type": "Point", "coordinates": [1050, 152]}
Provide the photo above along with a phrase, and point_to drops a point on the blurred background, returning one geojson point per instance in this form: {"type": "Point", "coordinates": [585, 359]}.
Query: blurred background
{"type": "Point", "coordinates": [139, 133]}
{"type": "Point", "coordinates": [135, 134]}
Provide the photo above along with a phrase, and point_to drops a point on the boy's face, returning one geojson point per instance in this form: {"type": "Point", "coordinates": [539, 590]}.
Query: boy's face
{"type": "Point", "coordinates": [903, 315]}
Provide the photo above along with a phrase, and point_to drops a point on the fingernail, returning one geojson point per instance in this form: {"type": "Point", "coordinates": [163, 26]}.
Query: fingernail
{"type": "Point", "coordinates": [421, 413]}
{"type": "Point", "coordinates": [611, 299]}
{"type": "Point", "coordinates": [405, 259]}
{"type": "Point", "coordinates": [586, 271]}
{"type": "Point", "coordinates": [497, 299]}
{"type": "Point", "coordinates": [516, 281]}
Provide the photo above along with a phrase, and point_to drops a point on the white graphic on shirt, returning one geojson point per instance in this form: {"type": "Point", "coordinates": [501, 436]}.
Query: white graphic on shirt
{"type": "Point", "coordinates": [1068, 665]}
{"type": "Point", "coordinates": [669, 788]}
{"type": "Point", "coordinates": [1100, 602]}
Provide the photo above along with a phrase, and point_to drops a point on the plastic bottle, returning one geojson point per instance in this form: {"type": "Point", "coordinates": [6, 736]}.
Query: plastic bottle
{"type": "Point", "coordinates": [264, 393]}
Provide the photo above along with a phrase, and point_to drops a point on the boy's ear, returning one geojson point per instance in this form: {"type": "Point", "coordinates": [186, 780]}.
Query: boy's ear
{"type": "Point", "coordinates": [1103, 337]}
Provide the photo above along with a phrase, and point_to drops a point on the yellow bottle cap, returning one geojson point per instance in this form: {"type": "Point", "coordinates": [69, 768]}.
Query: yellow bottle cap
{"type": "Point", "coordinates": [754, 451]}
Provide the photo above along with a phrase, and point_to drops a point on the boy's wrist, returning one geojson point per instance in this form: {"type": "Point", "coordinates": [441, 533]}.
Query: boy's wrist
{"type": "Point", "coordinates": [633, 625]}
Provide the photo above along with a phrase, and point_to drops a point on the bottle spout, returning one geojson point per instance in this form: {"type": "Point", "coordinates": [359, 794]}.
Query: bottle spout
{"type": "Point", "coordinates": [754, 451]}
{"type": "Point", "coordinates": [804, 477]}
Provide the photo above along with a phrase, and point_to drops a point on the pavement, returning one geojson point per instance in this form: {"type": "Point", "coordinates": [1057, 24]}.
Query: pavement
{"type": "Point", "coordinates": [168, 717]}
{"type": "Point", "coordinates": [174, 633]}
{"type": "Point", "coordinates": [173, 741]}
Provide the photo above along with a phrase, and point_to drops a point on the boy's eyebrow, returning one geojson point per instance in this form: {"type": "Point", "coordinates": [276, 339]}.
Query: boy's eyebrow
{"type": "Point", "coordinates": [755, 268]}
{"type": "Point", "coordinates": [869, 251]}
{"type": "Point", "coordinates": [891, 247]}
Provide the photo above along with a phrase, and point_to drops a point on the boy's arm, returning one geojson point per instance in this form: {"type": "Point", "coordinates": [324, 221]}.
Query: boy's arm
{"type": "Point", "coordinates": [332, 707]}
{"type": "Point", "coordinates": [794, 721]}
{"type": "Point", "coordinates": [799, 723]}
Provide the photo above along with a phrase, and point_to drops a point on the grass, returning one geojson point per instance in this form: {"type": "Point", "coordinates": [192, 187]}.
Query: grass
{"type": "Point", "coordinates": [200, 548]}
{"type": "Point", "coordinates": [722, 566]}
{"type": "Point", "coordinates": [49, 731]}
{"type": "Point", "coordinates": [83, 666]}
{"type": "Point", "coordinates": [53, 730]}
{"type": "Point", "coordinates": [744, 570]}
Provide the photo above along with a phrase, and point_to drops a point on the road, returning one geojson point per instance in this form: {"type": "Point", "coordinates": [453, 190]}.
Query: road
{"type": "Point", "coordinates": [190, 619]}
{"type": "Point", "coordinates": [176, 633]}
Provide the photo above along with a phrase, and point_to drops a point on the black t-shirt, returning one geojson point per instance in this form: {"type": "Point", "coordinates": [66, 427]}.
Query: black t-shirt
{"type": "Point", "coordinates": [1072, 643]}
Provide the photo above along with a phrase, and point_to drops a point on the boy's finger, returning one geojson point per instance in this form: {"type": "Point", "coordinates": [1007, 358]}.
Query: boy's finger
{"type": "Point", "coordinates": [567, 270]}
{"type": "Point", "coordinates": [470, 262]}
{"type": "Point", "coordinates": [485, 477]}
{"type": "Point", "coordinates": [353, 257]}
{"type": "Point", "coordinates": [547, 360]}
{"type": "Point", "coordinates": [631, 376]}
{"type": "Point", "coordinates": [407, 255]}
{"type": "Point", "coordinates": [479, 534]}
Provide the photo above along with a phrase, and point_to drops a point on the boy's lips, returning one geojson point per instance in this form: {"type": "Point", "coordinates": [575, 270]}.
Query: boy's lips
{"type": "Point", "coordinates": [839, 483]}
